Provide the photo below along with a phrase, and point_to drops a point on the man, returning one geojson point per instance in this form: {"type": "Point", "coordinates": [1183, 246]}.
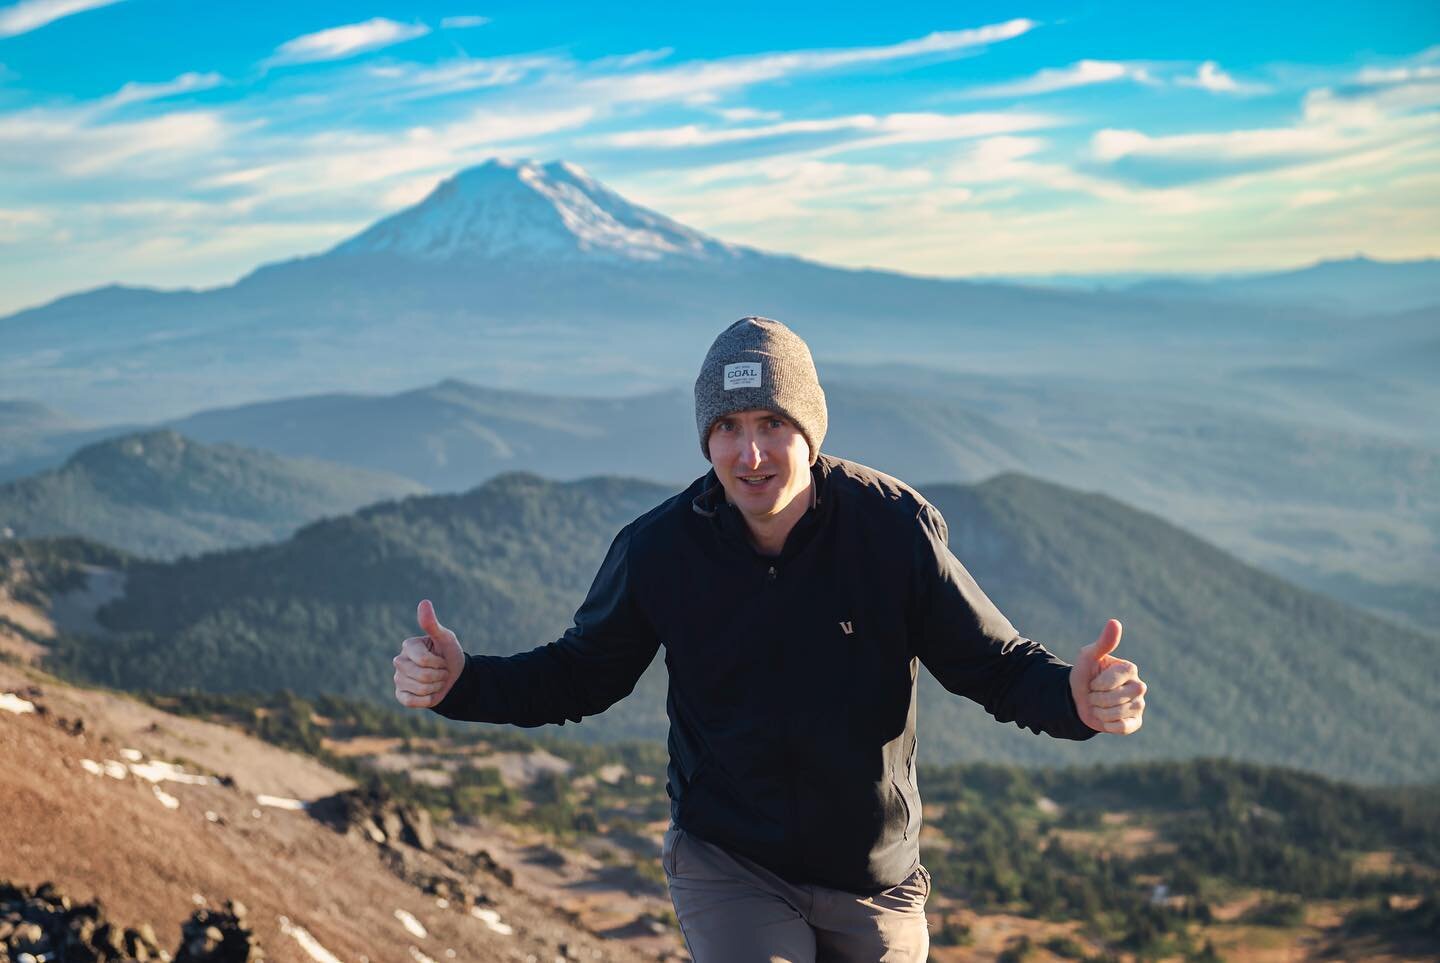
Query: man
{"type": "Point", "coordinates": [795, 594]}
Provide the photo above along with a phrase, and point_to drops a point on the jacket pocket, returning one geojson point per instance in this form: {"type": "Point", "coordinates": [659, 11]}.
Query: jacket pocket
{"type": "Point", "coordinates": [667, 850]}
{"type": "Point", "coordinates": [904, 805]}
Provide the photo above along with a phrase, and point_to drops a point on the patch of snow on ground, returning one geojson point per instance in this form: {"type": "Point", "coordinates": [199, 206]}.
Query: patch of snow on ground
{"type": "Point", "coordinates": [492, 919]}
{"type": "Point", "coordinates": [419, 957]}
{"type": "Point", "coordinates": [157, 771]}
{"type": "Point", "coordinates": [166, 800]}
{"type": "Point", "coordinates": [415, 927]}
{"type": "Point", "coordinates": [132, 755]}
{"type": "Point", "coordinates": [10, 702]}
{"type": "Point", "coordinates": [280, 802]}
{"type": "Point", "coordinates": [307, 942]}
{"type": "Point", "coordinates": [115, 770]}
{"type": "Point", "coordinates": [92, 767]}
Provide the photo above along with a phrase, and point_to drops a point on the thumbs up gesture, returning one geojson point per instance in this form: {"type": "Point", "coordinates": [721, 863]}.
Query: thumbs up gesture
{"type": "Point", "coordinates": [428, 664]}
{"type": "Point", "coordinates": [1109, 693]}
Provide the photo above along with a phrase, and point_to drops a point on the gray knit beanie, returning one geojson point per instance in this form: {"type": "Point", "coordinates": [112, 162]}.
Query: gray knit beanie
{"type": "Point", "coordinates": [760, 363]}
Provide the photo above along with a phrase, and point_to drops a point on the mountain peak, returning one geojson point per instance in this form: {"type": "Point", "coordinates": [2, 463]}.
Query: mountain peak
{"type": "Point", "coordinates": [522, 209]}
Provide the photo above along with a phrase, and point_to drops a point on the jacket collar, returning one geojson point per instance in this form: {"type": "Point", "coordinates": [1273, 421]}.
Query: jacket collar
{"type": "Point", "coordinates": [730, 527]}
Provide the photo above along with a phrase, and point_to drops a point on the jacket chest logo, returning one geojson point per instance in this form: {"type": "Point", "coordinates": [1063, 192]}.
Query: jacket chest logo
{"type": "Point", "coordinates": [847, 628]}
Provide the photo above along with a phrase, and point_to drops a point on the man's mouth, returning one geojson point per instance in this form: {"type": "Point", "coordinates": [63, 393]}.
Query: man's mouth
{"type": "Point", "coordinates": [755, 481]}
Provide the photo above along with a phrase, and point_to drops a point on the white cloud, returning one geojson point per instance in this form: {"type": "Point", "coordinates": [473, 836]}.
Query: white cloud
{"type": "Point", "coordinates": [694, 135]}
{"type": "Point", "coordinates": [1397, 75]}
{"type": "Point", "coordinates": [1112, 145]}
{"type": "Point", "coordinates": [334, 164]}
{"type": "Point", "coordinates": [17, 225]}
{"type": "Point", "coordinates": [626, 61]}
{"type": "Point", "coordinates": [69, 145]}
{"type": "Point", "coordinates": [773, 189]}
{"type": "Point", "coordinates": [135, 92]}
{"type": "Point", "coordinates": [1011, 160]}
{"type": "Point", "coordinates": [338, 43]}
{"type": "Point", "coordinates": [706, 79]}
{"type": "Point", "coordinates": [1316, 196]}
{"type": "Point", "coordinates": [1082, 73]}
{"type": "Point", "coordinates": [33, 14]}
{"type": "Point", "coordinates": [410, 81]}
{"type": "Point", "coordinates": [738, 115]}
{"type": "Point", "coordinates": [1209, 76]}
{"type": "Point", "coordinates": [1331, 124]}
{"type": "Point", "coordinates": [877, 130]}
{"type": "Point", "coordinates": [461, 23]}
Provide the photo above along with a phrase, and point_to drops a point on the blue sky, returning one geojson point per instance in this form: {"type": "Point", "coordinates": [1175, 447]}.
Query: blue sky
{"type": "Point", "coordinates": [182, 144]}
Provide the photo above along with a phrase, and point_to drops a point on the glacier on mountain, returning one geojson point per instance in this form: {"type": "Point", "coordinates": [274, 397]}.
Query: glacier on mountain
{"type": "Point", "coordinates": [523, 209]}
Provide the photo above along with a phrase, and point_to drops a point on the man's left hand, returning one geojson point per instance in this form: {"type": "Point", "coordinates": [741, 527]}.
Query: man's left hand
{"type": "Point", "coordinates": [1109, 693]}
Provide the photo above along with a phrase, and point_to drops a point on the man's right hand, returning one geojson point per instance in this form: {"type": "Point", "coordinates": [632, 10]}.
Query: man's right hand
{"type": "Point", "coordinates": [428, 664]}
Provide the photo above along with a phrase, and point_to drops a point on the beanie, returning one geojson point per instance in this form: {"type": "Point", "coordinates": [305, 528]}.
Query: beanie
{"type": "Point", "coordinates": [760, 363]}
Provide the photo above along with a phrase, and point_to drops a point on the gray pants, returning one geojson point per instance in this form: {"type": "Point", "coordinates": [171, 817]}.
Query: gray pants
{"type": "Point", "coordinates": [732, 910]}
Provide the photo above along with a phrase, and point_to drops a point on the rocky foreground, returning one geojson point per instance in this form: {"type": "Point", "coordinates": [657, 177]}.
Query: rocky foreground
{"type": "Point", "coordinates": [132, 834]}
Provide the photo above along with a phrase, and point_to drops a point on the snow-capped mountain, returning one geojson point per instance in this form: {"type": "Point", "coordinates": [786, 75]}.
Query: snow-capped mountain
{"type": "Point", "coordinates": [520, 275]}
{"type": "Point", "coordinates": [522, 209]}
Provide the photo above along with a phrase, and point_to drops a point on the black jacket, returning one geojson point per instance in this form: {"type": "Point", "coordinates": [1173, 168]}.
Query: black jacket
{"type": "Point", "coordinates": [792, 678]}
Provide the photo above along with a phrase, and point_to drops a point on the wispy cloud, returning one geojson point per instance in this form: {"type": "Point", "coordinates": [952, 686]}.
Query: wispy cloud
{"type": "Point", "coordinates": [1398, 75]}
{"type": "Point", "coordinates": [629, 60]}
{"type": "Point", "coordinates": [1082, 73]}
{"type": "Point", "coordinates": [411, 81]}
{"type": "Point", "coordinates": [134, 92]}
{"type": "Point", "coordinates": [1209, 76]}
{"type": "Point", "coordinates": [338, 43]}
{"type": "Point", "coordinates": [69, 145]}
{"type": "Point", "coordinates": [857, 131]}
{"type": "Point", "coordinates": [1113, 145]}
{"type": "Point", "coordinates": [698, 82]}
{"type": "Point", "coordinates": [18, 225]}
{"type": "Point", "coordinates": [461, 23]}
{"type": "Point", "coordinates": [351, 165]}
{"type": "Point", "coordinates": [739, 115]}
{"type": "Point", "coordinates": [866, 131]}
{"type": "Point", "coordinates": [1331, 123]}
{"type": "Point", "coordinates": [33, 14]}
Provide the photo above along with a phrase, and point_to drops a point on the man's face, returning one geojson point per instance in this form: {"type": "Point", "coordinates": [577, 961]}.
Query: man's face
{"type": "Point", "coordinates": [762, 460]}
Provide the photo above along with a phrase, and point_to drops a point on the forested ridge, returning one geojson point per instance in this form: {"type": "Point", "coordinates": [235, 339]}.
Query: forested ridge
{"type": "Point", "coordinates": [1239, 663]}
{"type": "Point", "coordinates": [161, 495]}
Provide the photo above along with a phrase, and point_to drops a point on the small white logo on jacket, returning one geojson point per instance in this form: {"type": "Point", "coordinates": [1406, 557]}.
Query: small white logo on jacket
{"type": "Point", "coordinates": [847, 628]}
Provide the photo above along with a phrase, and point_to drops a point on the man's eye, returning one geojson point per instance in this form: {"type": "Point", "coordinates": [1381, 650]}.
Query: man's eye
{"type": "Point", "coordinates": [776, 423]}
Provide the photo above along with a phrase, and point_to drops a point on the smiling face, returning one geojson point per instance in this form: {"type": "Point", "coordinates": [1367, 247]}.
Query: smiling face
{"type": "Point", "coordinates": [763, 462]}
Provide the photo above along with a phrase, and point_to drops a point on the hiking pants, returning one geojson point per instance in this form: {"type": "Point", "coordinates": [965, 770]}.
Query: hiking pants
{"type": "Point", "coordinates": [732, 910]}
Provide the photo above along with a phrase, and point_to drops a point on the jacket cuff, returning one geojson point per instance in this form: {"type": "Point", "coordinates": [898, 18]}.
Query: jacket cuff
{"type": "Point", "coordinates": [451, 707]}
{"type": "Point", "coordinates": [1078, 727]}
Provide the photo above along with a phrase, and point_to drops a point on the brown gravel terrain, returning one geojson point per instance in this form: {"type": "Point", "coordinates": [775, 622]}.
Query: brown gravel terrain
{"type": "Point", "coordinates": [78, 808]}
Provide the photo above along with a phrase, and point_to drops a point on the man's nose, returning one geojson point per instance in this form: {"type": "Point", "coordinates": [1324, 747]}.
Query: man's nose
{"type": "Point", "coordinates": [750, 453]}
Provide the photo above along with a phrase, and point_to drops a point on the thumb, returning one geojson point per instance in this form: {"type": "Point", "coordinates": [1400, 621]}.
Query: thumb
{"type": "Point", "coordinates": [1109, 639]}
{"type": "Point", "coordinates": [430, 625]}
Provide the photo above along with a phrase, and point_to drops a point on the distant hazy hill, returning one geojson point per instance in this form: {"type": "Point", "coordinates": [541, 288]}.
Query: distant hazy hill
{"type": "Point", "coordinates": [454, 434]}
{"type": "Point", "coordinates": [1285, 466]}
{"type": "Point", "coordinates": [34, 436]}
{"type": "Point", "coordinates": [159, 494]}
{"type": "Point", "coordinates": [1237, 661]}
{"type": "Point", "coordinates": [1356, 285]}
